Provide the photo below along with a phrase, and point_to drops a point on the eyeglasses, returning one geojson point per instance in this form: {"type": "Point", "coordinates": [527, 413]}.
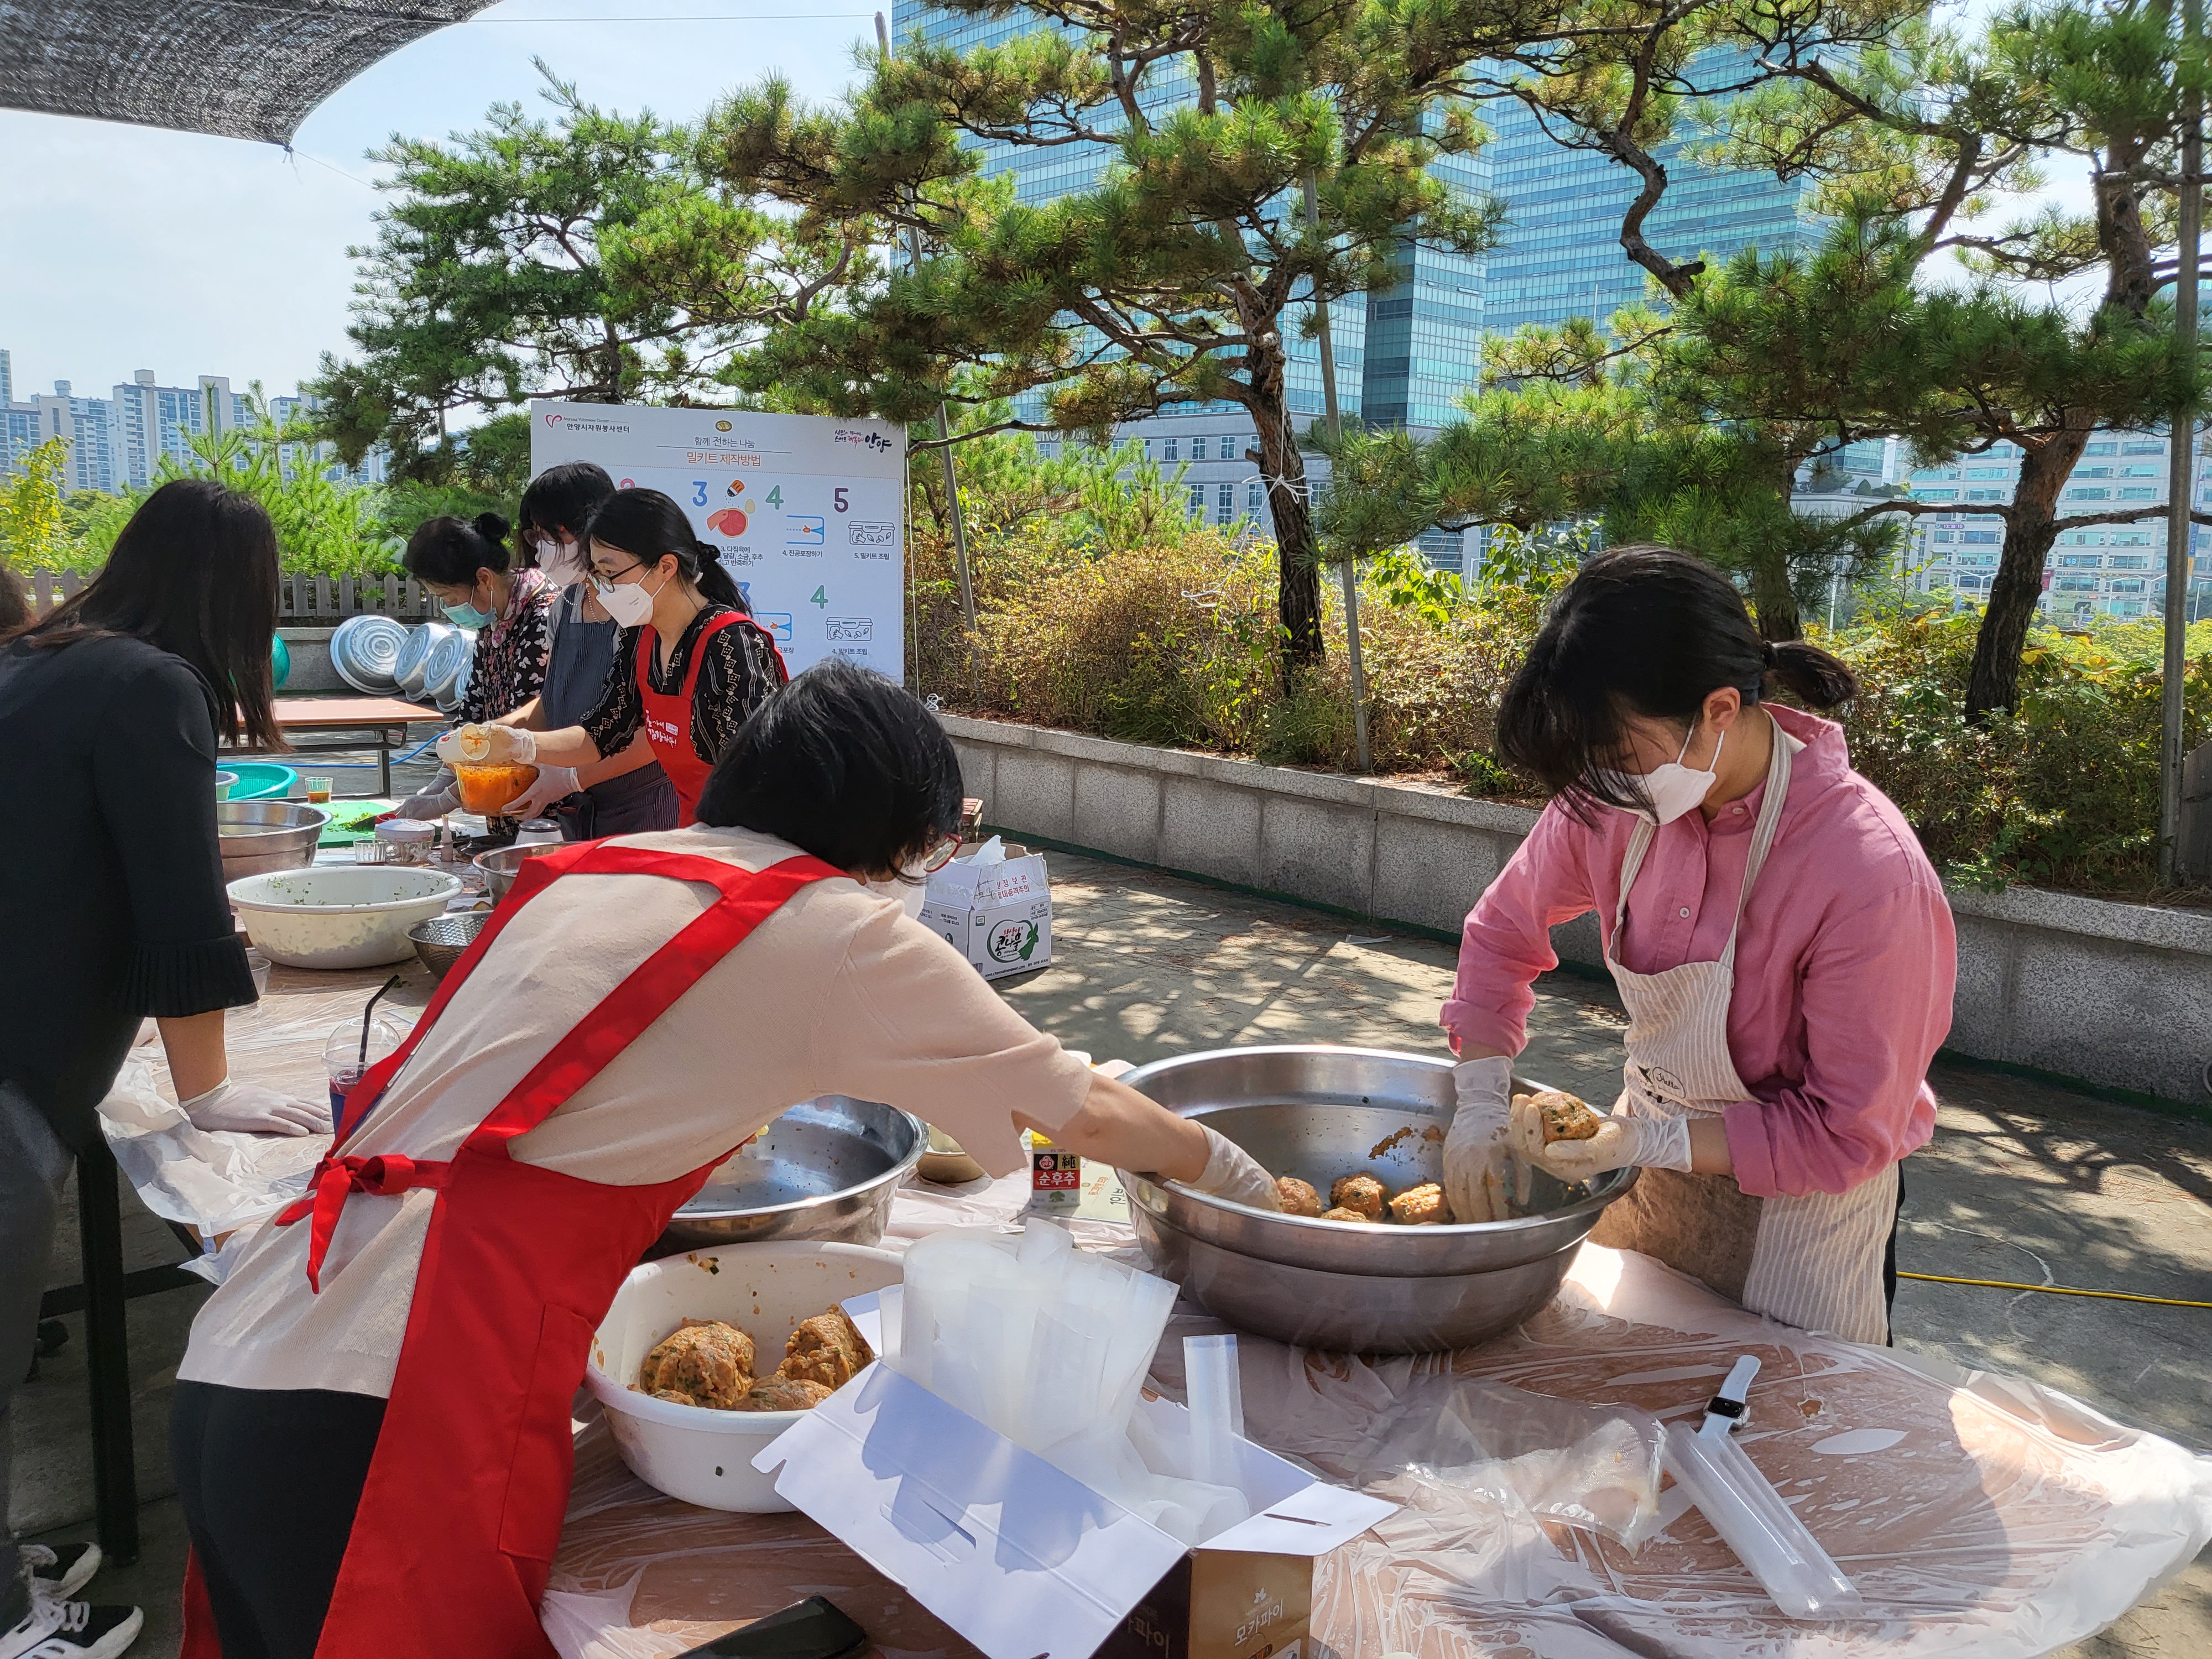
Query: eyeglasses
{"type": "Point", "coordinates": [941, 854]}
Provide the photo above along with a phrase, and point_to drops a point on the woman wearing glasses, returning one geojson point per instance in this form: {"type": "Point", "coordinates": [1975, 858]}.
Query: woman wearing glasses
{"type": "Point", "coordinates": [690, 665]}
{"type": "Point", "coordinates": [372, 1435]}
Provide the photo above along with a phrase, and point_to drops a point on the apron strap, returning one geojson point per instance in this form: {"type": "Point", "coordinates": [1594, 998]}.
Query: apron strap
{"type": "Point", "coordinates": [337, 1179]}
{"type": "Point", "coordinates": [1763, 832]}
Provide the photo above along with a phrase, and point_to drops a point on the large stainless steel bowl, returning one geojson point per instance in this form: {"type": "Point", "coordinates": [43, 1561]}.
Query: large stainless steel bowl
{"type": "Point", "coordinates": [259, 836]}
{"type": "Point", "coordinates": [503, 864]}
{"type": "Point", "coordinates": [1321, 1113]}
{"type": "Point", "coordinates": [827, 1169]}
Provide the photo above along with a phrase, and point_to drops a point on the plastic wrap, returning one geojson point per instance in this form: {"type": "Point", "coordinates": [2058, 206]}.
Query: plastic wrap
{"type": "Point", "coordinates": [1766, 1534]}
{"type": "Point", "coordinates": [212, 1181]}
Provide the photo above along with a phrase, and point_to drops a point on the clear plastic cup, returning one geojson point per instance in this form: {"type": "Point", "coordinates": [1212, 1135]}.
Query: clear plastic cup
{"type": "Point", "coordinates": [258, 965]}
{"type": "Point", "coordinates": [345, 1061]}
{"type": "Point", "coordinates": [318, 790]}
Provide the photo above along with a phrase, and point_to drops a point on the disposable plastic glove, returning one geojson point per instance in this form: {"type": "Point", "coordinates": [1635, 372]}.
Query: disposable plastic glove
{"type": "Point", "coordinates": [554, 783]}
{"type": "Point", "coordinates": [1232, 1173]}
{"type": "Point", "coordinates": [440, 799]}
{"type": "Point", "coordinates": [480, 745]}
{"type": "Point", "coordinates": [1475, 1145]}
{"type": "Point", "coordinates": [256, 1111]}
{"type": "Point", "coordinates": [1622, 1139]}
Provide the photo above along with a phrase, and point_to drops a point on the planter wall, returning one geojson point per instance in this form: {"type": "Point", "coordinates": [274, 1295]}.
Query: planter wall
{"type": "Point", "coordinates": [2118, 996]}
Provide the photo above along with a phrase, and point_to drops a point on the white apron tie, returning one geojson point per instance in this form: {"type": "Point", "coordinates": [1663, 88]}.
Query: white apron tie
{"type": "Point", "coordinates": [1814, 1262]}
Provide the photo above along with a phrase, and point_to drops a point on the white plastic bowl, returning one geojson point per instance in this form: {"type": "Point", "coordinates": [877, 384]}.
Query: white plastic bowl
{"type": "Point", "coordinates": [700, 1457]}
{"type": "Point", "coordinates": [339, 915]}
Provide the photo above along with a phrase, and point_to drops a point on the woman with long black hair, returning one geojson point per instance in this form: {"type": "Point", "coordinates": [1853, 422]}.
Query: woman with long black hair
{"type": "Point", "coordinates": [112, 907]}
{"type": "Point", "coordinates": [690, 664]}
{"type": "Point", "coordinates": [1780, 941]}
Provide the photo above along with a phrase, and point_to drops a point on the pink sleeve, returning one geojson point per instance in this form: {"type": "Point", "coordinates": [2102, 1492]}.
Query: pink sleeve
{"type": "Point", "coordinates": [1876, 995]}
{"type": "Point", "coordinates": [1507, 941]}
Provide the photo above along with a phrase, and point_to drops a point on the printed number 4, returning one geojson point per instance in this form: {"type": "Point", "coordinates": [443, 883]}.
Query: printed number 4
{"type": "Point", "coordinates": [698, 492]}
{"type": "Point", "coordinates": [821, 598]}
{"type": "Point", "coordinates": [843, 503]}
{"type": "Point", "coordinates": [775, 497]}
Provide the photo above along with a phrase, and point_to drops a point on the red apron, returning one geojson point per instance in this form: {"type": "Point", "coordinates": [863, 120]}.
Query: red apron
{"type": "Point", "coordinates": [462, 1509]}
{"type": "Point", "coordinates": [668, 714]}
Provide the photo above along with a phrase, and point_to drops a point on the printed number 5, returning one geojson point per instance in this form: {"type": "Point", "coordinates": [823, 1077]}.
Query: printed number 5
{"type": "Point", "coordinates": [821, 598]}
{"type": "Point", "coordinates": [698, 492]}
{"type": "Point", "coordinates": [843, 505]}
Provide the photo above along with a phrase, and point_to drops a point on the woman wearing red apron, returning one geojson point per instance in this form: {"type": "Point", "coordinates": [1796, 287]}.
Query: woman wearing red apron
{"type": "Point", "coordinates": [371, 1437]}
{"type": "Point", "coordinates": [690, 665]}
{"type": "Point", "coordinates": [1780, 942]}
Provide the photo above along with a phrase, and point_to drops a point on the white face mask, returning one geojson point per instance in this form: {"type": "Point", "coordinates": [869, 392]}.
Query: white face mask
{"type": "Point", "coordinates": [1673, 788]}
{"type": "Point", "coordinates": [563, 561]}
{"type": "Point", "coordinates": [630, 604]}
{"type": "Point", "coordinates": [908, 892]}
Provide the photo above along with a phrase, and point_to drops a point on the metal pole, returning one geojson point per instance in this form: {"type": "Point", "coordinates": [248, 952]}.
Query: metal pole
{"type": "Point", "coordinates": [1350, 575]}
{"type": "Point", "coordinates": [2181, 482]}
{"type": "Point", "coordinates": [945, 454]}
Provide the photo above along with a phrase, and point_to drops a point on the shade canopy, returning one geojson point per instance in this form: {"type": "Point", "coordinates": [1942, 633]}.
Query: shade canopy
{"type": "Point", "coordinates": [245, 68]}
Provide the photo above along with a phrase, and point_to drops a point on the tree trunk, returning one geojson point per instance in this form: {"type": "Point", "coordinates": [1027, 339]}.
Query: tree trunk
{"type": "Point", "coordinates": [1298, 558]}
{"type": "Point", "coordinates": [1773, 599]}
{"type": "Point", "coordinates": [1994, 680]}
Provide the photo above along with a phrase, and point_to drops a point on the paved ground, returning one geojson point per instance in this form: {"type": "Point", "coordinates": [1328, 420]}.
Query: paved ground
{"type": "Point", "coordinates": [2025, 1183]}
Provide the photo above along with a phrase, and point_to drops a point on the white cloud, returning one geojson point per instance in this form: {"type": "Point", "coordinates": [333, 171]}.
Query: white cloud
{"type": "Point", "coordinates": [134, 247]}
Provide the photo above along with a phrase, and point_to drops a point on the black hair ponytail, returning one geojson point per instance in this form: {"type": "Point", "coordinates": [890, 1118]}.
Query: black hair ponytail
{"type": "Point", "coordinates": [649, 527]}
{"type": "Point", "coordinates": [715, 582]}
{"type": "Point", "coordinates": [450, 551]}
{"type": "Point", "coordinates": [1642, 630]}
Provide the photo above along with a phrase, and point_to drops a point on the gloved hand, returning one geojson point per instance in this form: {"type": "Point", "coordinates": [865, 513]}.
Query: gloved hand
{"type": "Point", "coordinates": [1233, 1173]}
{"type": "Point", "coordinates": [440, 799]}
{"type": "Point", "coordinates": [477, 743]}
{"type": "Point", "coordinates": [1623, 1138]}
{"type": "Point", "coordinates": [553, 783]}
{"type": "Point", "coordinates": [256, 1111]}
{"type": "Point", "coordinates": [1475, 1145]}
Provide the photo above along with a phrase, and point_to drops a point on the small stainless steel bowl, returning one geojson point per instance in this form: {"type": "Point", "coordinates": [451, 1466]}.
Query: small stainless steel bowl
{"type": "Point", "coordinates": [1321, 1113]}
{"type": "Point", "coordinates": [502, 864]}
{"type": "Point", "coordinates": [827, 1169]}
{"type": "Point", "coordinates": [439, 941]}
{"type": "Point", "coordinates": [259, 836]}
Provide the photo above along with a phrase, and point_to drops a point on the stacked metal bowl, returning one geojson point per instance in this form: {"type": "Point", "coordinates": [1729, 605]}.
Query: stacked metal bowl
{"type": "Point", "coordinates": [366, 651]}
{"type": "Point", "coordinates": [1321, 1114]}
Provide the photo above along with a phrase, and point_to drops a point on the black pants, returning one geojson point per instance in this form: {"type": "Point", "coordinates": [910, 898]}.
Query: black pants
{"type": "Point", "coordinates": [269, 1480]}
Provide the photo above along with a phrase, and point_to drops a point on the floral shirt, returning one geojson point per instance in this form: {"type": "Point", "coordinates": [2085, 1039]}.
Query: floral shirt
{"type": "Point", "coordinates": [509, 665]}
{"type": "Point", "coordinates": [740, 671]}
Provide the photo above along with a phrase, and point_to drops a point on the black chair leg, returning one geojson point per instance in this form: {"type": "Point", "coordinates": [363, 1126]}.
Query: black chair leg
{"type": "Point", "coordinates": [107, 1355]}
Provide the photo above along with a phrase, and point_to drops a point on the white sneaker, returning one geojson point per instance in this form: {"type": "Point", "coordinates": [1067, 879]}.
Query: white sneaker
{"type": "Point", "coordinates": [71, 1629]}
{"type": "Point", "coordinates": [59, 1571]}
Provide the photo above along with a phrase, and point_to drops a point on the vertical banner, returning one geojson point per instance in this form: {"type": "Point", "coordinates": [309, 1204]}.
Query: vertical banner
{"type": "Point", "coordinates": [810, 514]}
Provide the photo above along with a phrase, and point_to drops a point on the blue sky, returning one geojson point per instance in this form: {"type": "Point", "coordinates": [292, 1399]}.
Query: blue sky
{"type": "Point", "coordinates": [131, 247]}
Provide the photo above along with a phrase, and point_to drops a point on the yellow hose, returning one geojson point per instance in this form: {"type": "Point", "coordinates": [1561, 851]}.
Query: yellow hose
{"type": "Point", "coordinates": [2056, 1289]}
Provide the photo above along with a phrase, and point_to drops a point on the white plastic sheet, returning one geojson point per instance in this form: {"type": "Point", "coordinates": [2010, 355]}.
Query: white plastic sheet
{"type": "Point", "coordinates": [213, 1181]}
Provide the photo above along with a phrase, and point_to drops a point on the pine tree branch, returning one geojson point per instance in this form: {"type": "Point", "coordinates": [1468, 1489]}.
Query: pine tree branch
{"type": "Point", "coordinates": [1918, 509]}
{"type": "Point", "coordinates": [2131, 515]}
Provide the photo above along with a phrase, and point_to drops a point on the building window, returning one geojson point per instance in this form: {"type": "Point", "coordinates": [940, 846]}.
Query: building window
{"type": "Point", "coordinates": [2100, 449]}
{"type": "Point", "coordinates": [2151, 449]}
{"type": "Point", "coordinates": [1227, 449]}
{"type": "Point", "coordinates": [1940, 536]}
{"type": "Point", "coordinates": [1198, 501]}
{"type": "Point", "coordinates": [2089, 494]}
{"type": "Point", "coordinates": [1198, 449]}
{"type": "Point", "coordinates": [1170, 449]}
{"type": "Point", "coordinates": [1224, 504]}
{"type": "Point", "coordinates": [1252, 498]}
{"type": "Point", "coordinates": [1986, 537]}
{"type": "Point", "coordinates": [2138, 494]}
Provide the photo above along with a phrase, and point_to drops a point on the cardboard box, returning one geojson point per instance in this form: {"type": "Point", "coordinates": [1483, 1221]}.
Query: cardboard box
{"type": "Point", "coordinates": [997, 915]}
{"type": "Point", "coordinates": [1028, 1563]}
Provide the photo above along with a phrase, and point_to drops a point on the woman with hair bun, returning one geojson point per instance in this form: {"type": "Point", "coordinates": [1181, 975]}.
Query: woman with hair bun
{"type": "Point", "coordinates": [1780, 941]}
{"type": "Point", "coordinates": [465, 564]}
{"type": "Point", "coordinates": [689, 666]}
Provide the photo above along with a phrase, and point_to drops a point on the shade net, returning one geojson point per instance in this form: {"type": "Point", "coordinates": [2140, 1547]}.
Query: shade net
{"type": "Point", "coordinates": [244, 69]}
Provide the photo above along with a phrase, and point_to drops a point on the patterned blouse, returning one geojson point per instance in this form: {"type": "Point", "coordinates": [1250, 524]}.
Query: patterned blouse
{"type": "Point", "coordinates": [509, 665]}
{"type": "Point", "coordinates": [741, 668]}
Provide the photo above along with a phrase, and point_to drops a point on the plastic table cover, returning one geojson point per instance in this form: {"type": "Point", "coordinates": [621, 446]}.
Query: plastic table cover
{"type": "Point", "coordinates": [1982, 1517]}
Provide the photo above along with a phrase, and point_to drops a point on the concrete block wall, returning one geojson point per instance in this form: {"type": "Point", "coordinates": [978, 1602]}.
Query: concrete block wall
{"type": "Point", "coordinates": [2118, 996]}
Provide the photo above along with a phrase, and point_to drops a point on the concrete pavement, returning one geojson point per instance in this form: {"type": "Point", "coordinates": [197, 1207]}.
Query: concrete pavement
{"type": "Point", "coordinates": [2026, 1182]}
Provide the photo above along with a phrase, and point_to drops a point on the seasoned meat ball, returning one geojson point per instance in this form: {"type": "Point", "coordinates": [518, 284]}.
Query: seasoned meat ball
{"type": "Point", "coordinates": [1421, 1206]}
{"type": "Point", "coordinates": [783, 1393]}
{"type": "Point", "coordinates": [1363, 1193]}
{"type": "Point", "coordinates": [1297, 1197]}
{"type": "Point", "coordinates": [825, 1349]}
{"type": "Point", "coordinates": [1565, 1117]}
{"type": "Point", "coordinates": [706, 1361]}
{"type": "Point", "coordinates": [1341, 1213]}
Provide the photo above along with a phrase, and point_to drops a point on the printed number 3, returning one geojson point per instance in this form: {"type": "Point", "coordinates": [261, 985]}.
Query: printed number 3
{"type": "Point", "coordinates": [843, 505]}
{"type": "Point", "coordinates": [698, 492]}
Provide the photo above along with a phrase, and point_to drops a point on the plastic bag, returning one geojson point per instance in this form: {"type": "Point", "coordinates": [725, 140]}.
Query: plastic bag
{"type": "Point", "coordinates": [213, 1181]}
{"type": "Point", "coordinates": [1593, 1467]}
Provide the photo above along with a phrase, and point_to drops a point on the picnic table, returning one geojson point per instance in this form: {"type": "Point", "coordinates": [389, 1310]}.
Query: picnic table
{"type": "Point", "coordinates": [384, 720]}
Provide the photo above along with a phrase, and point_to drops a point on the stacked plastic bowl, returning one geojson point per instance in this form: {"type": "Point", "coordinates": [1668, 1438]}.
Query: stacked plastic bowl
{"type": "Point", "coordinates": [365, 652]}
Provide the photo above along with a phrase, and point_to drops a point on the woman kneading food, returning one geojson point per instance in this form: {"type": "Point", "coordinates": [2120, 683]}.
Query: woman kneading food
{"type": "Point", "coordinates": [627, 792]}
{"type": "Point", "coordinates": [1780, 942]}
{"type": "Point", "coordinates": [371, 1435]}
{"type": "Point", "coordinates": [690, 664]}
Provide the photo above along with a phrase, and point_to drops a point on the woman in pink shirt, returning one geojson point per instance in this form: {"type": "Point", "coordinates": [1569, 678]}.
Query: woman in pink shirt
{"type": "Point", "coordinates": [1780, 941]}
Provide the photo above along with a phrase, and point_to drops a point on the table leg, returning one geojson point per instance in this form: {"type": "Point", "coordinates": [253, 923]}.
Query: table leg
{"type": "Point", "coordinates": [384, 761]}
{"type": "Point", "coordinates": [107, 1355]}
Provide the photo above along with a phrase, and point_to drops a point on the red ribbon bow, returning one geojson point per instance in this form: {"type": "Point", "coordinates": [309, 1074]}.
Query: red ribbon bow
{"type": "Point", "coordinates": [337, 1179]}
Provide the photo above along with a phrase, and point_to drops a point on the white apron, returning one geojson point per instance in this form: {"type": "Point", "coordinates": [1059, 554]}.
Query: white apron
{"type": "Point", "coordinates": [1814, 1262]}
